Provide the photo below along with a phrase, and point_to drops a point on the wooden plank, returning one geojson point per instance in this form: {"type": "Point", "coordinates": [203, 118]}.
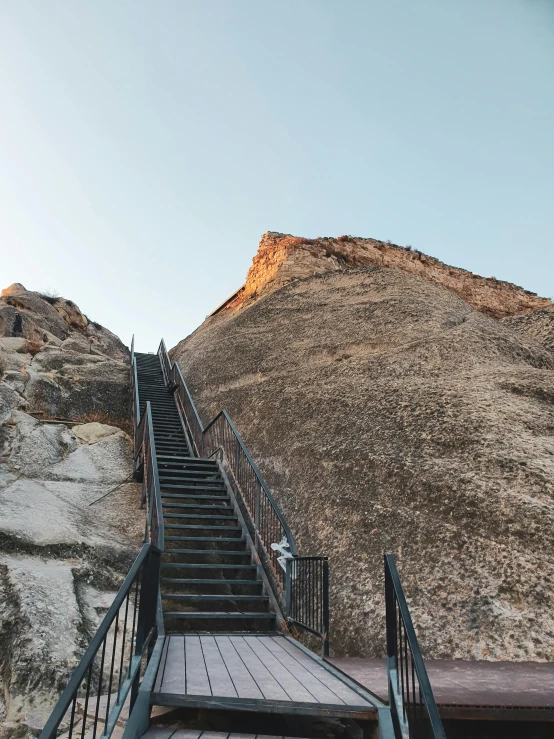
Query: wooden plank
{"type": "Point", "coordinates": [316, 684]}
{"type": "Point", "coordinates": [161, 666]}
{"type": "Point", "coordinates": [349, 696]}
{"type": "Point", "coordinates": [243, 681]}
{"type": "Point", "coordinates": [158, 732]}
{"type": "Point", "coordinates": [249, 705]}
{"type": "Point", "coordinates": [220, 681]}
{"type": "Point", "coordinates": [174, 680]}
{"type": "Point", "coordinates": [267, 684]}
{"type": "Point", "coordinates": [197, 676]}
{"type": "Point", "coordinates": [282, 674]}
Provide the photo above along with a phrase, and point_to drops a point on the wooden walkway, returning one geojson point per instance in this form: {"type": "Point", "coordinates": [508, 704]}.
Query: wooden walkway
{"type": "Point", "coordinates": [262, 673]}
{"type": "Point", "coordinates": [472, 689]}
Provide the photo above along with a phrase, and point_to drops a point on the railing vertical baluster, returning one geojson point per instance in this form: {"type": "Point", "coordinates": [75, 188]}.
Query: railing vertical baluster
{"type": "Point", "coordinates": [99, 689]}
{"type": "Point", "coordinates": [116, 625]}
{"type": "Point", "coordinates": [257, 506]}
{"type": "Point", "coordinates": [325, 598]}
{"type": "Point", "coordinates": [87, 694]}
{"type": "Point", "coordinates": [72, 719]}
{"type": "Point", "coordinates": [122, 648]}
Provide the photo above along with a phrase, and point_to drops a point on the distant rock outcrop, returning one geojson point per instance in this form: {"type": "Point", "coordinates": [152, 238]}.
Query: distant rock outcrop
{"type": "Point", "coordinates": [60, 559]}
{"type": "Point", "coordinates": [389, 414]}
{"type": "Point", "coordinates": [58, 361]}
{"type": "Point", "coordinates": [282, 258]}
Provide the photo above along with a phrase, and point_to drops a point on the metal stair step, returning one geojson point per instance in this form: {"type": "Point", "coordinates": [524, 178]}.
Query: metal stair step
{"type": "Point", "coordinates": [190, 527]}
{"type": "Point", "coordinates": [208, 581]}
{"type": "Point", "coordinates": [213, 596]}
{"type": "Point", "coordinates": [202, 506]}
{"type": "Point", "coordinates": [199, 516]}
{"type": "Point", "coordinates": [219, 552]}
{"type": "Point", "coordinates": [176, 496]}
{"type": "Point", "coordinates": [204, 566]}
{"type": "Point", "coordinates": [208, 488]}
{"type": "Point", "coordinates": [218, 615]}
{"type": "Point", "coordinates": [199, 460]}
{"type": "Point", "coordinates": [218, 539]}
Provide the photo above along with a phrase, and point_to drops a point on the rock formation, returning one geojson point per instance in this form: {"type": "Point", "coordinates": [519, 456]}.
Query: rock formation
{"type": "Point", "coordinates": [282, 258]}
{"type": "Point", "coordinates": [391, 411]}
{"type": "Point", "coordinates": [61, 560]}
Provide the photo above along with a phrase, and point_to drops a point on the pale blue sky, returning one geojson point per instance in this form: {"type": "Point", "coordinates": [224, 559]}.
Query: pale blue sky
{"type": "Point", "coordinates": [146, 145]}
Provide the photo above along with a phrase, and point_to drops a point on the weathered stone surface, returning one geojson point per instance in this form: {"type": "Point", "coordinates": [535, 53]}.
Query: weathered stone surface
{"type": "Point", "coordinates": [388, 415]}
{"type": "Point", "coordinates": [61, 559]}
{"type": "Point", "coordinates": [39, 614]}
{"type": "Point", "coordinates": [68, 384]}
{"type": "Point", "coordinates": [282, 258]}
{"type": "Point", "coordinates": [9, 399]}
{"type": "Point", "coordinates": [539, 324]}
{"type": "Point", "coordinates": [93, 432]}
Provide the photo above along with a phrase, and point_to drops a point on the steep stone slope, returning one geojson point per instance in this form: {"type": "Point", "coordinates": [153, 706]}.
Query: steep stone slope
{"type": "Point", "coordinates": [282, 258]}
{"type": "Point", "coordinates": [388, 414]}
{"type": "Point", "coordinates": [539, 324]}
{"type": "Point", "coordinates": [61, 560]}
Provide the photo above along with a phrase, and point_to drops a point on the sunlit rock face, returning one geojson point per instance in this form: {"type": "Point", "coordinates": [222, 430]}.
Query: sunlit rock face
{"type": "Point", "coordinates": [282, 258]}
{"type": "Point", "coordinates": [388, 414]}
{"type": "Point", "coordinates": [61, 560]}
{"type": "Point", "coordinates": [58, 361]}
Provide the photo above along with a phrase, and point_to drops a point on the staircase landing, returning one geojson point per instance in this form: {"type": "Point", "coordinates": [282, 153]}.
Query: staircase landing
{"type": "Point", "coordinates": [265, 673]}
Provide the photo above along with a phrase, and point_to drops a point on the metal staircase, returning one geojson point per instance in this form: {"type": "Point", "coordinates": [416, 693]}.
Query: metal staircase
{"type": "Point", "coordinates": [202, 619]}
{"type": "Point", "coordinates": [208, 580]}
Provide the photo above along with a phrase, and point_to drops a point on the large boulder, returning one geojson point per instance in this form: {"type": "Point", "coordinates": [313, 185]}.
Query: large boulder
{"type": "Point", "coordinates": [389, 415]}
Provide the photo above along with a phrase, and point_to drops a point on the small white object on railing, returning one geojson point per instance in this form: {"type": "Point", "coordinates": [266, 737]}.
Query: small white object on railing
{"type": "Point", "coordinates": [283, 547]}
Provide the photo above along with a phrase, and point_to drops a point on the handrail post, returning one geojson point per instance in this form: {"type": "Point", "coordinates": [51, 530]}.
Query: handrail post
{"type": "Point", "coordinates": [288, 585]}
{"type": "Point", "coordinates": [325, 604]}
{"type": "Point", "coordinates": [148, 598]}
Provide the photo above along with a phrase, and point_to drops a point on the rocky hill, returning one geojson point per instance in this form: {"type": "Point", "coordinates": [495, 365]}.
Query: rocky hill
{"type": "Point", "coordinates": [391, 410]}
{"type": "Point", "coordinates": [64, 408]}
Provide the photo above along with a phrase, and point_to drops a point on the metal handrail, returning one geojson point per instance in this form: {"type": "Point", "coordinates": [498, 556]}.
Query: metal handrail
{"type": "Point", "coordinates": [105, 670]}
{"type": "Point", "coordinates": [145, 451]}
{"type": "Point", "coordinates": [412, 703]}
{"type": "Point", "coordinates": [307, 596]}
{"type": "Point", "coordinates": [292, 544]}
{"type": "Point", "coordinates": [174, 374]}
{"type": "Point", "coordinates": [134, 386]}
{"type": "Point", "coordinates": [302, 590]}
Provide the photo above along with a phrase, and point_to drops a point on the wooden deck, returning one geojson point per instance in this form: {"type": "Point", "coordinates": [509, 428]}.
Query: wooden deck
{"type": "Point", "coordinates": [262, 673]}
{"type": "Point", "coordinates": [472, 689]}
